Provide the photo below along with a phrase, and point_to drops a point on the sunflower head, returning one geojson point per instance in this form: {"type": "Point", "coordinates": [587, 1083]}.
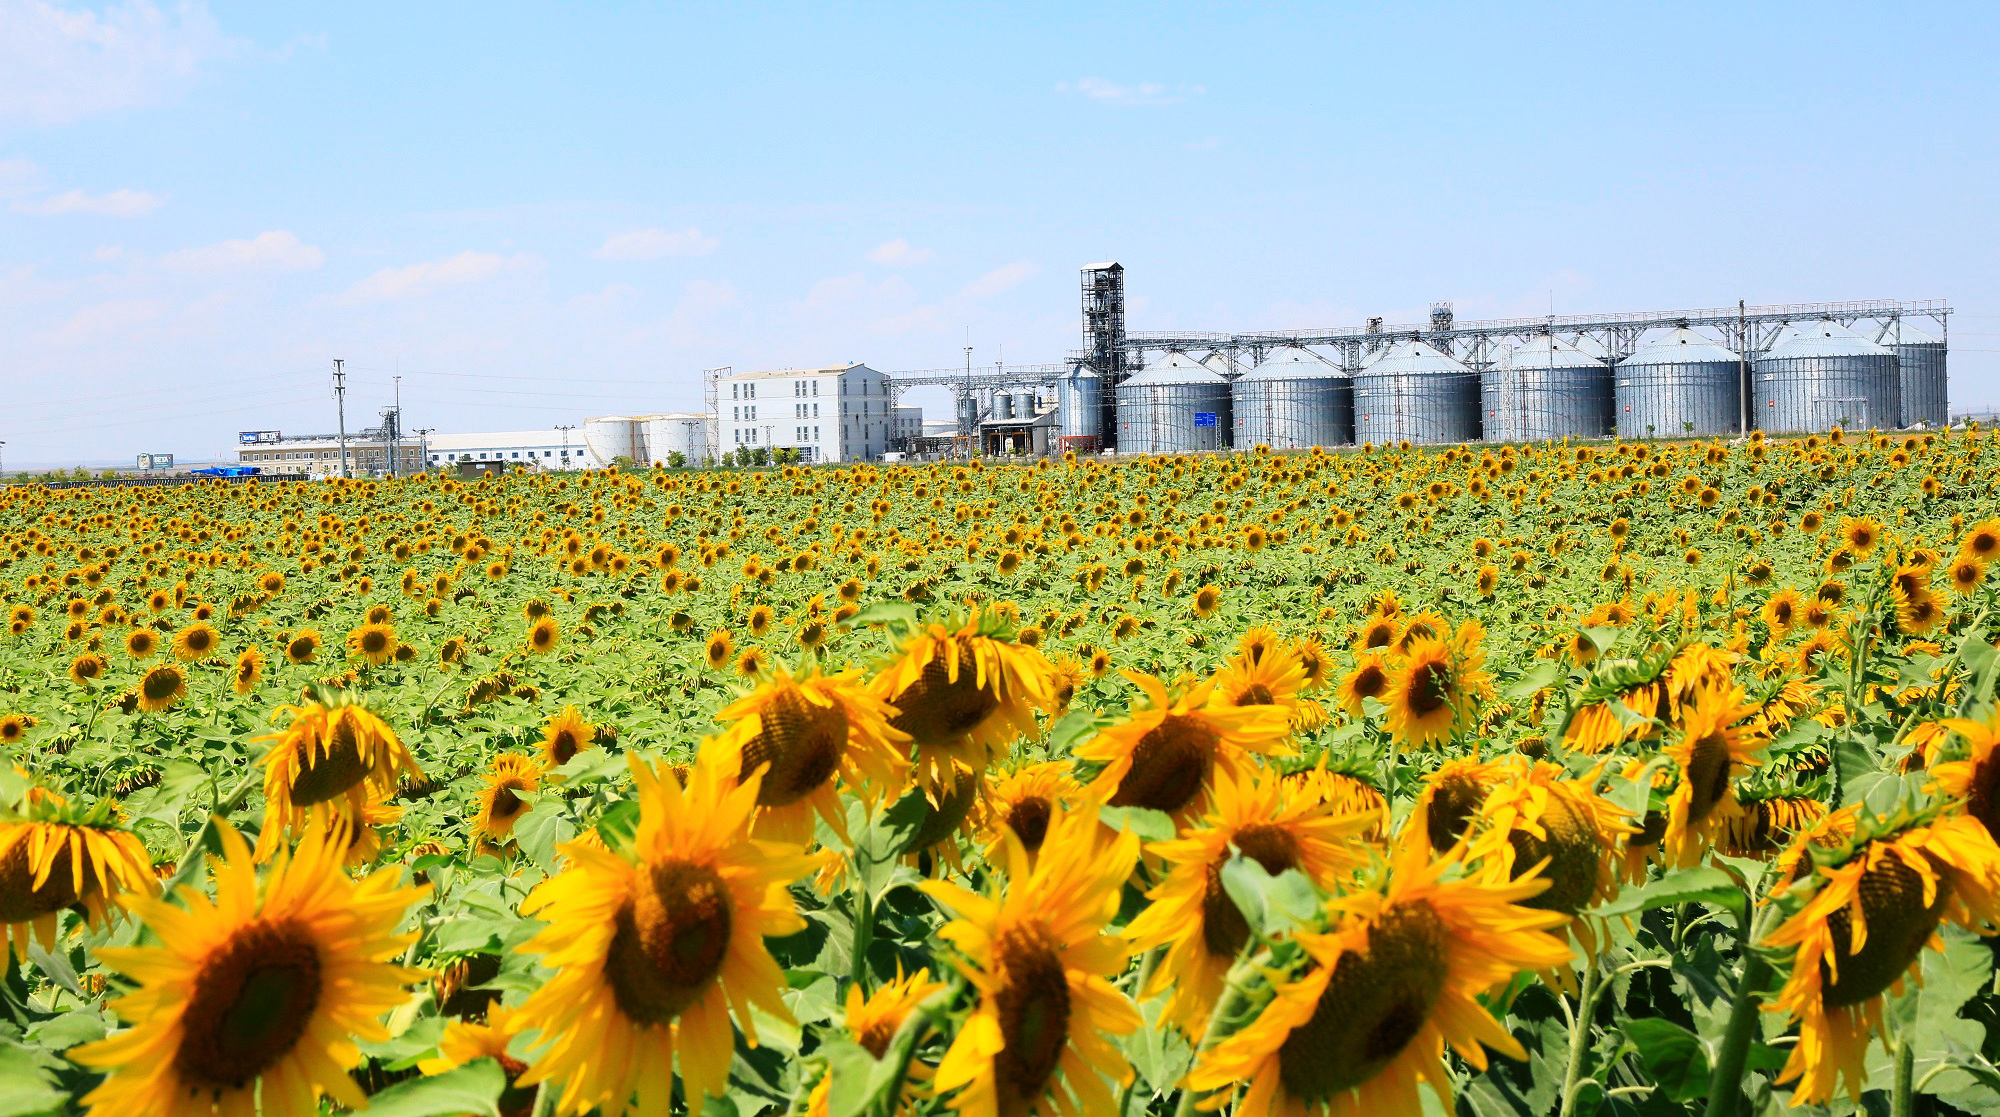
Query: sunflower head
{"type": "Point", "coordinates": [961, 693]}
{"type": "Point", "coordinates": [565, 735]}
{"type": "Point", "coordinates": [373, 642]}
{"type": "Point", "coordinates": [801, 733]}
{"type": "Point", "coordinates": [334, 751]}
{"type": "Point", "coordinates": [501, 804]}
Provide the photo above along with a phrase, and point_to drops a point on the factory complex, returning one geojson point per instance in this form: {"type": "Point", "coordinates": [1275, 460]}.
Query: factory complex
{"type": "Point", "coordinates": [1782, 369]}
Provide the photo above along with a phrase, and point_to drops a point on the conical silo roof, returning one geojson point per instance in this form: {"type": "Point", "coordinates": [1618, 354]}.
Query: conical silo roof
{"type": "Point", "coordinates": [1824, 338]}
{"type": "Point", "coordinates": [1590, 346]}
{"type": "Point", "coordinates": [1680, 346]}
{"type": "Point", "coordinates": [1904, 332]}
{"type": "Point", "coordinates": [1294, 362]}
{"type": "Point", "coordinates": [1414, 358]}
{"type": "Point", "coordinates": [1175, 368]}
{"type": "Point", "coordinates": [1222, 364]}
{"type": "Point", "coordinates": [1548, 351]}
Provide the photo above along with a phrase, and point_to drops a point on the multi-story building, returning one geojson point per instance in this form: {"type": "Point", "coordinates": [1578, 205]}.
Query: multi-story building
{"type": "Point", "coordinates": [320, 457]}
{"type": "Point", "coordinates": [840, 413]}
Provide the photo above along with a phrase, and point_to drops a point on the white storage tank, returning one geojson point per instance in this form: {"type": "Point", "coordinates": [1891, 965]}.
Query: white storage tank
{"type": "Point", "coordinates": [1678, 385]}
{"type": "Point", "coordinates": [611, 437]}
{"type": "Point", "coordinates": [1824, 375]}
{"type": "Point", "coordinates": [1545, 389]}
{"type": "Point", "coordinates": [1413, 391]}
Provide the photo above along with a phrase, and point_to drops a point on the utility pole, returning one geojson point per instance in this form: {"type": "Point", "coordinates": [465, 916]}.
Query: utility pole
{"type": "Point", "coordinates": [565, 451]}
{"type": "Point", "coordinates": [424, 446]}
{"type": "Point", "coordinates": [396, 433]}
{"type": "Point", "coordinates": [340, 402]}
{"type": "Point", "coordinates": [1742, 369]}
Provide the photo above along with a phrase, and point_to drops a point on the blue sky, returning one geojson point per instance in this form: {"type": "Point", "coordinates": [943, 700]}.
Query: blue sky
{"type": "Point", "coordinates": [541, 212]}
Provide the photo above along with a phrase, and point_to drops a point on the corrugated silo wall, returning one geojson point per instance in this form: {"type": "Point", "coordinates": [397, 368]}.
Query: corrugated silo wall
{"type": "Point", "coordinates": [1427, 407]}
{"type": "Point", "coordinates": [1293, 414]}
{"type": "Point", "coordinates": [1925, 394]}
{"type": "Point", "coordinates": [1162, 418]}
{"type": "Point", "coordinates": [1801, 394]}
{"type": "Point", "coordinates": [1543, 404]}
{"type": "Point", "coordinates": [1673, 399]}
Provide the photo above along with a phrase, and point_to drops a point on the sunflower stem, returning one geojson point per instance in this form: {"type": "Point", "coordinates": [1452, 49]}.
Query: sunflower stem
{"type": "Point", "coordinates": [1725, 1080]}
{"type": "Point", "coordinates": [1579, 1034]}
{"type": "Point", "coordinates": [1227, 1008]}
{"type": "Point", "coordinates": [1903, 1100]}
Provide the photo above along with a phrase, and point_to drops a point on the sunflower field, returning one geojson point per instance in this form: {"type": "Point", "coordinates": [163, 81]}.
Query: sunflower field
{"type": "Point", "coordinates": [1649, 779]}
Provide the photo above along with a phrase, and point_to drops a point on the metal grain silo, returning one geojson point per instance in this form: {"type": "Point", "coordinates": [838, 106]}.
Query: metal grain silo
{"type": "Point", "coordinates": [1679, 384]}
{"type": "Point", "coordinates": [1003, 405]}
{"type": "Point", "coordinates": [1175, 406]}
{"type": "Point", "coordinates": [1223, 365]}
{"type": "Point", "coordinates": [1296, 399]}
{"type": "Point", "coordinates": [1925, 399]}
{"type": "Point", "coordinates": [1413, 391]}
{"type": "Point", "coordinates": [968, 414]}
{"type": "Point", "coordinates": [1080, 403]}
{"type": "Point", "coordinates": [1545, 389]}
{"type": "Point", "coordinates": [1825, 375]}
{"type": "Point", "coordinates": [1024, 405]}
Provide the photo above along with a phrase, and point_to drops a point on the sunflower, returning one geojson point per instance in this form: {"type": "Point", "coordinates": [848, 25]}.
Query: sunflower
{"type": "Point", "coordinates": [1540, 822]}
{"type": "Point", "coordinates": [372, 642]}
{"type": "Point", "coordinates": [1982, 542]}
{"type": "Point", "coordinates": [1165, 754]}
{"type": "Point", "coordinates": [466, 1041]}
{"type": "Point", "coordinates": [961, 695]}
{"type": "Point", "coordinates": [1273, 822]}
{"type": "Point", "coordinates": [1714, 740]}
{"type": "Point", "coordinates": [1781, 612]}
{"type": "Point", "coordinates": [14, 727]}
{"type": "Point", "coordinates": [1379, 632]}
{"type": "Point", "coordinates": [1395, 980]}
{"type": "Point", "coordinates": [1207, 600]}
{"type": "Point", "coordinates": [759, 620]}
{"type": "Point", "coordinates": [1023, 800]}
{"type": "Point", "coordinates": [260, 993]}
{"type": "Point", "coordinates": [806, 734]}
{"type": "Point", "coordinates": [1065, 675]}
{"type": "Point", "coordinates": [500, 804]}
{"type": "Point", "coordinates": [302, 647]}
{"type": "Point", "coordinates": [333, 751]}
{"type": "Point", "coordinates": [1273, 679]}
{"type": "Point", "coordinates": [1861, 534]}
{"type": "Point", "coordinates": [161, 687]}
{"type": "Point", "coordinates": [543, 635]}
{"type": "Point", "coordinates": [873, 1022]}
{"type": "Point", "coordinates": [651, 947]}
{"type": "Point", "coordinates": [1873, 903]}
{"type": "Point", "coordinates": [1369, 679]}
{"type": "Point", "coordinates": [57, 858]}
{"type": "Point", "coordinates": [1433, 691]}
{"type": "Point", "coordinates": [1313, 661]}
{"type": "Point", "coordinates": [1763, 826]}
{"type": "Point", "coordinates": [1966, 574]}
{"type": "Point", "coordinates": [1976, 778]}
{"type": "Point", "coordinates": [1041, 960]}
{"type": "Point", "coordinates": [249, 668]}
{"type": "Point", "coordinates": [719, 648]}
{"type": "Point", "coordinates": [141, 643]}
{"type": "Point", "coordinates": [565, 735]}
{"type": "Point", "coordinates": [1453, 795]}
{"type": "Point", "coordinates": [195, 641]}
{"type": "Point", "coordinates": [1345, 793]}
{"type": "Point", "coordinates": [87, 668]}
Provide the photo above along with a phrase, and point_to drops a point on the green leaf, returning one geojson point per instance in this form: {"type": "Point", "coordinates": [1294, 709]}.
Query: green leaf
{"type": "Point", "coordinates": [1272, 905]}
{"type": "Point", "coordinates": [27, 1089]}
{"type": "Point", "coordinates": [619, 824]}
{"type": "Point", "coordinates": [1673, 1056]}
{"type": "Point", "coordinates": [1150, 825]}
{"type": "Point", "coordinates": [894, 615]}
{"type": "Point", "coordinates": [1539, 677]}
{"type": "Point", "coordinates": [1703, 885]}
{"type": "Point", "coordinates": [473, 1088]}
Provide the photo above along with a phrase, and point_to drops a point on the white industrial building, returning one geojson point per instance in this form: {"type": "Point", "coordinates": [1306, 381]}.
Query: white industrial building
{"type": "Point", "coordinates": [542, 449]}
{"type": "Point", "coordinates": [649, 439]}
{"type": "Point", "coordinates": [835, 414]}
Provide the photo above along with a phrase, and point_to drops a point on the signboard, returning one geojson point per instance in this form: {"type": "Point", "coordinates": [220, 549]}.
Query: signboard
{"type": "Point", "coordinates": [251, 438]}
{"type": "Point", "coordinates": [156, 461]}
{"type": "Point", "coordinates": [1204, 418]}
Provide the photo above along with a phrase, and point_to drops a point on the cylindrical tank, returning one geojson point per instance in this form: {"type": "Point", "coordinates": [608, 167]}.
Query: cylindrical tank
{"type": "Point", "coordinates": [1296, 399]}
{"type": "Point", "coordinates": [1825, 375]}
{"type": "Point", "coordinates": [1175, 406]}
{"type": "Point", "coordinates": [1414, 392]}
{"type": "Point", "coordinates": [679, 433]}
{"type": "Point", "coordinates": [1925, 396]}
{"type": "Point", "coordinates": [1545, 389]}
{"type": "Point", "coordinates": [611, 437]}
{"type": "Point", "coordinates": [968, 414]}
{"type": "Point", "coordinates": [1679, 384]}
{"type": "Point", "coordinates": [1024, 406]}
{"type": "Point", "coordinates": [1003, 406]}
{"type": "Point", "coordinates": [1079, 403]}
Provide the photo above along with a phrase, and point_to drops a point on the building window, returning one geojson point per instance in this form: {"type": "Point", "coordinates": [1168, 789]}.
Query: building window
{"type": "Point", "coordinates": [815, 411]}
{"type": "Point", "coordinates": [815, 434]}
{"type": "Point", "coordinates": [815, 387]}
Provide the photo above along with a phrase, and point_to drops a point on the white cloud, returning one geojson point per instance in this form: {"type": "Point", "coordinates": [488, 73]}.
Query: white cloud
{"type": "Point", "coordinates": [58, 63]}
{"type": "Point", "coordinates": [653, 244]}
{"type": "Point", "coordinates": [107, 322]}
{"type": "Point", "coordinates": [415, 280]}
{"type": "Point", "coordinates": [118, 203]}
{"type": "Point", "coordinates": [1000, 280]}
{"type": "Point", "coordinates": [1105, 91]}
{"type": "Point", "coordinates": [276, 250]}
{"type": "Point", "coordinates": [898, 254]}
